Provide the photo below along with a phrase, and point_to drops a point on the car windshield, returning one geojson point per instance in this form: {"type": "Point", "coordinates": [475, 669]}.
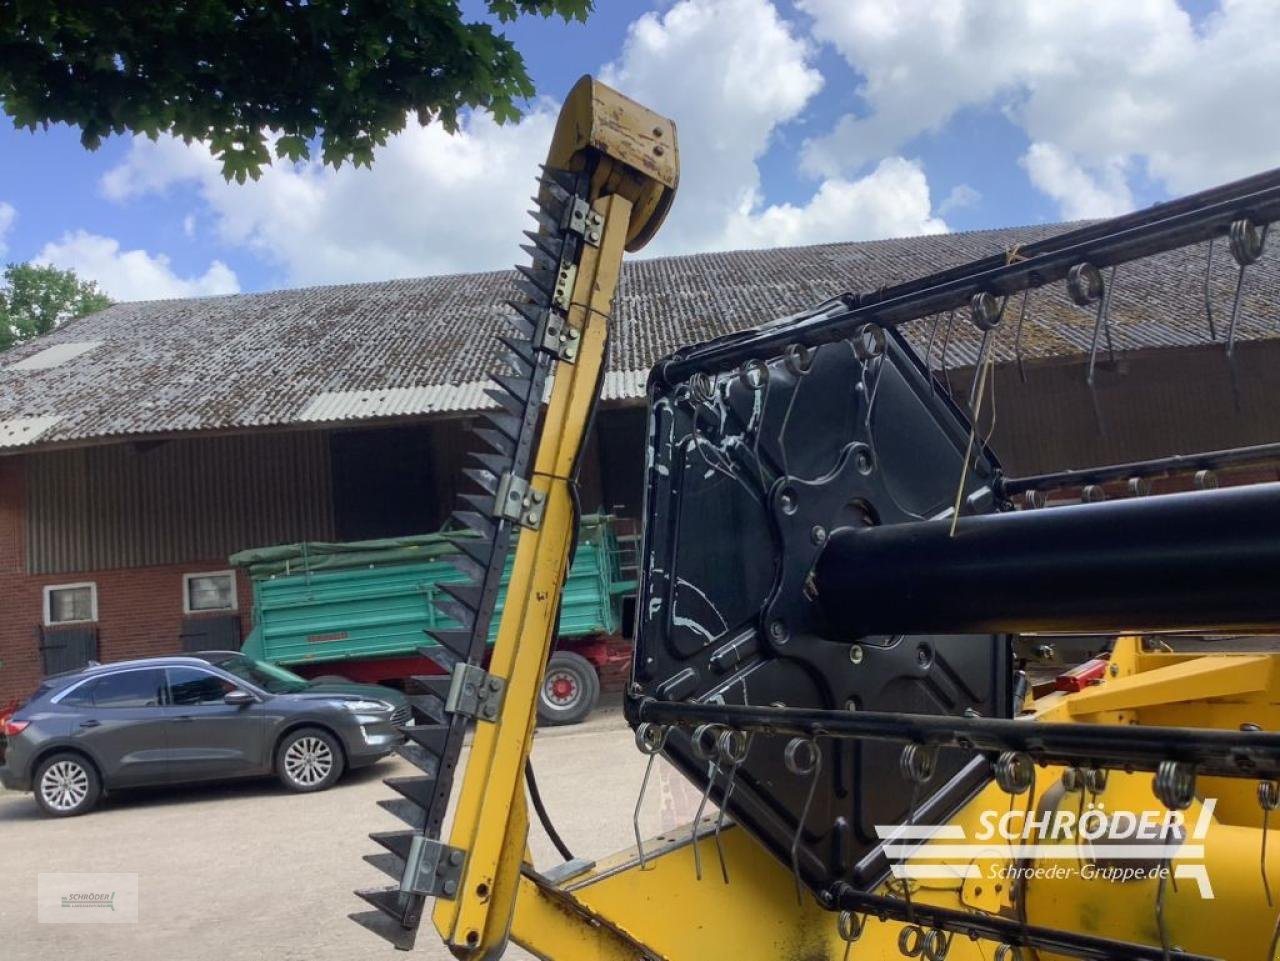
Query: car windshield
{"type": "Point", "coordinates": [266, 676]}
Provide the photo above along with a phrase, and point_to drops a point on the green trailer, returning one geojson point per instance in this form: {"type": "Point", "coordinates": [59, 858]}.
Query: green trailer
{"type": "Point", "coordinates": [360, 610]}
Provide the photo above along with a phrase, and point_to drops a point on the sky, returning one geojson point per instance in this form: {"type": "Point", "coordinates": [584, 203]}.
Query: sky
{"type": "Point", "coordinates": [800, 121]}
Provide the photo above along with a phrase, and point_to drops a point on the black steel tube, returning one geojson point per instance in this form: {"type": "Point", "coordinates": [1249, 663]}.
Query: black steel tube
{"type": "Point", "coordinates": [1179, 223]}
{"type": "Point", "coordinates": [1002, 930]}
{"type": "Point", "coordinates": [1156, 467]}
{"type": "Point", "coordinates": [1203, 561]}
{"type": "Point", "coordinates": [1210, 751]}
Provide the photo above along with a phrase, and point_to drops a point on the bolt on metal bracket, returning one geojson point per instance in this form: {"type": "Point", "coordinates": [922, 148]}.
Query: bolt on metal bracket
{"type": "Point", "coordinates": [585, 222]}
{"type": "Point", "coordinates": [516, 500]}
{"type": "Point", "coordinates": [475, 693]}
{"type": "Point", "coordinates": [433, 868]}
{"type": "Point", "coordinates": [566, 277]}
{"type": "Point", "coordinates": [560, 338]}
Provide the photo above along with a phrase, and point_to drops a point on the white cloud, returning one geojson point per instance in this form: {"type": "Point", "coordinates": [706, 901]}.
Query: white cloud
{"type": "Point", "coordinates": [732, 72]}
{"type": "Point", "coordinates": [1080, 193]}
{"type": "Point", "coordinates": [189, 226]}
{"type": "Point", "coordinates": [432, 203]}
{"type": "Point", "coordinates": [132, 274]}
{"type": "Point", "coordinates": [892, 201]}
{"type": "Point", "coordinates": [960, 197]}
{"type": "Point", "coordinates": [7, 217]}
{"type": "Point", "coordinates": [1101, 82]}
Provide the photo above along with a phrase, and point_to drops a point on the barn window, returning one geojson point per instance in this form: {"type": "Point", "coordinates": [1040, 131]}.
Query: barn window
{"type": "Point", "coordinates": [214, 591]}
{"type": "Point", "coordinates": [70, 603]}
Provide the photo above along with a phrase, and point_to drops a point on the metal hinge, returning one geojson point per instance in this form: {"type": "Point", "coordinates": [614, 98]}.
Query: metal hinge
{"type": "Point", "coordinates": [587, 223]}
{"type": "Point", "coordinates": [433, 868]}
{"type": "Point", "coordinates": [474, 692]}
{"type": "Point", "coordinates": [515, 500]}
{"type": "Point", "coordinates": [560, 338]}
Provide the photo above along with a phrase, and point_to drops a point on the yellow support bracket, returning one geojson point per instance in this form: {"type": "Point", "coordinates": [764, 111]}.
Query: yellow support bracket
{"type": "Point", "coordinates": [491, 822]}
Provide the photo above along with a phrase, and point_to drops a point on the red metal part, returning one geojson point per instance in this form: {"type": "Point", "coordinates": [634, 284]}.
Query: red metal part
{"type": "Point", "coordinates": [1081, 676]}
{"type": "Point", "coordinates": [609, 655]}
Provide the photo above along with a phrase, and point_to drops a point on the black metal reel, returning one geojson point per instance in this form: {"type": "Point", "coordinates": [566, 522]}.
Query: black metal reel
{"type": "Point", "coordinates": [752, 473]}
{"type": "Point", "coordinates": [782, 460]}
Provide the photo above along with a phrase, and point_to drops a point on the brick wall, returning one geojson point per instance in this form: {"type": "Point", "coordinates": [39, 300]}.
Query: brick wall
{"type": "Point", "coordinates": [139, 609]}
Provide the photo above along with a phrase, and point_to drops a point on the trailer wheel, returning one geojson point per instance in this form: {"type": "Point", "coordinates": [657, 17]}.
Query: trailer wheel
{"type": "Point", "coordinates": [570, 689]}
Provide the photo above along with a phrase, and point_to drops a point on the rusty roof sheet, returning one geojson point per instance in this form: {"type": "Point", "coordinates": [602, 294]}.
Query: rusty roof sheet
{"type": "Point", "coordinates": [403, 348]}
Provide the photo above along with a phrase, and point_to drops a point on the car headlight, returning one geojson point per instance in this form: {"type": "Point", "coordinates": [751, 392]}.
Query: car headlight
{"type": "Point", "coordinates": [365, 707]}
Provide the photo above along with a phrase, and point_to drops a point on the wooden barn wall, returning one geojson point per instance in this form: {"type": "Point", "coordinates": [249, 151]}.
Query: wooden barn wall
{"type": "Point", "coordinates": [1146, 404]}
{"type": "Point", "coordinates": [136, 505]}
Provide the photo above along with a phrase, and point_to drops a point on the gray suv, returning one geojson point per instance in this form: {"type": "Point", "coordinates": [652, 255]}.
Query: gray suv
{"type": "Point", "coordinates": [176, 720]}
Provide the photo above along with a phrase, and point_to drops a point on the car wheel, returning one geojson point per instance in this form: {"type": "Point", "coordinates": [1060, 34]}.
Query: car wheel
{"type": "Point", "coordinates": [570, 689]}
{"type": "Point", "coordinates": [308, 760]}
{"type": "Point", "coordinates": [67, 785]}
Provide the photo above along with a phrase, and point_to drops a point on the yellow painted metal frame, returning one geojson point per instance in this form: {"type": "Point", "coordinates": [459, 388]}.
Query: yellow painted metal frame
{"type": "Point", "coordinates": [630, 153]}
{"type": "Point", "coordinates": [618, 910]}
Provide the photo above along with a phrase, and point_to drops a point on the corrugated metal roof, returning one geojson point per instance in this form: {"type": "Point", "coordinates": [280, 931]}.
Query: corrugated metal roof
{"type": "Point", "coordinates": [412, 347]}
{"type": "Point", "coordinates": [55, 355]}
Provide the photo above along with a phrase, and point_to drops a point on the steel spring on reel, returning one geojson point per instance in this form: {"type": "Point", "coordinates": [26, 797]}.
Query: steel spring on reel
{"type": "Point", "coordinates": [1175, 785]}
{"type": "Point", "coordinates": [1015, 772]}
{"type": "Point", "coordinates": [917, 763]}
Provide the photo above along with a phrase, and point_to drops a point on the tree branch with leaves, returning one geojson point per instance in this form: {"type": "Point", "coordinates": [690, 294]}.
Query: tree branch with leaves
{"type": "Point", "coordinates": [345, 74]}
{"type": "Point", "coordinates": [35, 299]}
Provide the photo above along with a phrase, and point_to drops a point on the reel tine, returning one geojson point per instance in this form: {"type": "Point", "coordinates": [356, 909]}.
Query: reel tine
{"type": "Point", "coordinates": [982, 357]}
{"type": "Point", "coordinates": [650, 739]}
{"type": "Point", "coordinates": [707, 752]}
{"type": "Point", "coordinates": [928, 351]}
{"type": "Point", "coordinates": [1247, 244]}
{"type": "Point", "coordinates": [733, 752]}
{"type": "Point", "coordinates": [811, 766]}
{"type": "Point", "coordinates": [1101, 319]}
{"type": "Point", "coordinates": [1017, 335]}
{"type": "Point", "coordinates": [1268, 800]}
{"type": "Point", "coordinates": [1106, 314]}
{"type": "Point", "coordinates": [946, 346]}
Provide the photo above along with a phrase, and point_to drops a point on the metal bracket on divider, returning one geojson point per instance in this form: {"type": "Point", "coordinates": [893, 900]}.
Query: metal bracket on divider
{"type": "Point", "coordinates": [475, 693]}
{"type": "Point", "coordinates": [433, 868]}
{"type": "Point", "coordinates": [566, 277]}
{"type": "Point", "coordinates": [584, 221]}
{"type": "Point", "coordinates": [516, 500]}
{"type": "Point", "coordinates": [559, 338]}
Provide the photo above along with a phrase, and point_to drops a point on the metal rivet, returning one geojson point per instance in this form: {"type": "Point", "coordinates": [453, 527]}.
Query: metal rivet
{"type": "Point", "coordinates": [818, 535]}
{"type": "Point", "coordinates": [855, 654]}
{"type": "Point", "coordinates": [455, 858]}
{"type": "Point", "coordinates": [657, 150]}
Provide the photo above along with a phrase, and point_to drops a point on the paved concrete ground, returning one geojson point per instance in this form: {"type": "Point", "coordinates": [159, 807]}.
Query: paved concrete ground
{"type": "Point", "coordinates": [245, 871]}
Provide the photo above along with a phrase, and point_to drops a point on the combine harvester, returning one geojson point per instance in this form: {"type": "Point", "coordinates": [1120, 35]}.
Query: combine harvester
{"type": "Point", "coordinates": [833, 569]}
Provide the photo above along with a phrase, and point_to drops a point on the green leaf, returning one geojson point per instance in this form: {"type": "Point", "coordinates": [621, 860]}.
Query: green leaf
{"type": "Point", "coordinates": [341, 74]}
{"type": "Point", "coordinates": [36, 298]}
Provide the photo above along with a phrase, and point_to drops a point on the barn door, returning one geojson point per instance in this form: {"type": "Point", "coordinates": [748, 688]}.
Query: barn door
{"type": "Point", "coordinates": [207, 633]}
{"type": "Point", "coordinates": [67, 648]}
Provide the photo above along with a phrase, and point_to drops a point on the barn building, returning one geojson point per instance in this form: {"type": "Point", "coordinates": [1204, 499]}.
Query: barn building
{"type": "Point", "coordinates": [141, 446]}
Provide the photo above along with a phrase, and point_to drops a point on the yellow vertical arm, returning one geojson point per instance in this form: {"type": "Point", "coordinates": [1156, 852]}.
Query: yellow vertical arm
{"type": "Point", "coordinates": [491, 822]}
